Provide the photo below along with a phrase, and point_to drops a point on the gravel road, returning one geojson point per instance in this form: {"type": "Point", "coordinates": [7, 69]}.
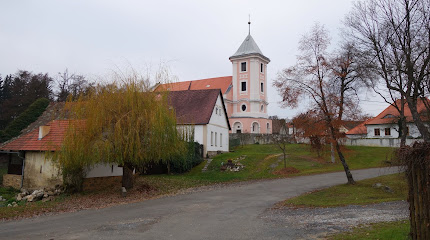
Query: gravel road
{"type": "Point", "coordinates": [240, 211]}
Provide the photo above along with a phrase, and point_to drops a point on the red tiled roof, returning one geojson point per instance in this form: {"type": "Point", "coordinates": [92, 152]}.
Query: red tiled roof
{"type": "Point", "coordinates": [358, 130]}
{"type": "Point", "coordinates": [211, 83]}
{"type": "Point", "coordinates": [195, 106]}
{"type": "Point", "coordinates": [30, 142]}
{"type": "Point", "coordinates": [390, 114]}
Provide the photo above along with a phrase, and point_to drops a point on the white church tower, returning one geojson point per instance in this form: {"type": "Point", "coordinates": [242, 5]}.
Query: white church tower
{"type": "Point", "coordinates": [248, 107]}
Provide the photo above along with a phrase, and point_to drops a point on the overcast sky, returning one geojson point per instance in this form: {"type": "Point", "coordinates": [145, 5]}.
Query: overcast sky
{"type": "Point", "coordinates": [194, 38]}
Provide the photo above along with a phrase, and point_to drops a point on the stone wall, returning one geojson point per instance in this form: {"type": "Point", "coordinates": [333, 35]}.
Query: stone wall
{"type": "Point", "coordinates": [251, 138]}
{"type": "Point", "coordinates": [98, 183]}
{"type": "Point", "coordinates": [377, 142]}
{"type": "Point", "coordinates": [11, 180]}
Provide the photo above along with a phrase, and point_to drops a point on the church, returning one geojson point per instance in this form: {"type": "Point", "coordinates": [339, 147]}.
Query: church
{"type": "Point", "coordinates": [244, 93]}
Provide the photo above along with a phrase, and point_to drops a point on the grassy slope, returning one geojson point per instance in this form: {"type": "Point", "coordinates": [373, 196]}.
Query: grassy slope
{"type": "Point", "coordinates": [360, 193]}
{"type": "Point", "coordinates": [257, 163]}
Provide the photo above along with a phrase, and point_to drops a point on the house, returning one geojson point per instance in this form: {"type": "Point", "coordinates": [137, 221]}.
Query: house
{"type": "Point", "coordinates": [203, 113]}
{"type": "Point", "coordinates": [386, 124]}
{"type": "Point", "coordinates": [30, 165]}
{"type": "Point", "coordinates": [244, 93]}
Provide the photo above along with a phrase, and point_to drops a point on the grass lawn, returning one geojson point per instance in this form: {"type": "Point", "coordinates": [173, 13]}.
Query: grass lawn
{"type": "Point", "coordinates": [362, 192]}
{"type": "Point", "coordinates": [383, 231]}
{"type": "Point", "coordinates": [261, 162]}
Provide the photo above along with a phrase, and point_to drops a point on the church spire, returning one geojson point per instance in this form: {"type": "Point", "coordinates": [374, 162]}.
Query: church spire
{"type": "Point", "coordinates": [249, 24]}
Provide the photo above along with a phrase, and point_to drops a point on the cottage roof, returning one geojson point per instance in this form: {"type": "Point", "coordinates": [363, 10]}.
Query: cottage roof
{"type": "Point", "coordinates": [222, 83]}
{"type": "Point", "coordinates": [30, 141]}
{"type": "Point", "coordinates": [391, 115]}
{"type": "Point", "coordinates": [359, 129]}
{"type": "Point", "coordinates": [195, 106]}
{"type": "Point", "coordinates": [247, 48]}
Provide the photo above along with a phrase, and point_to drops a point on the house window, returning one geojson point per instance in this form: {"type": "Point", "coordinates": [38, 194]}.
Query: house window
{"type": "Point", "coordinates": [212, 138]}
{"type": "Point", "coordinates": [377, 132]}
{"type": "Point", "coordinates": [243, 107]}
{"type": "Point", "coordinates": [220, 139]}
{"type": "Point", "coordinates": [262, 87]}
{"type": "Point", "coordinates": [261, 68]}
{"type": "Point", "coordinates": [216, 110]}
{"type": "Point", "coordinates": [243, 86]}
{"type": "Point", "coordinates": [216, 139]}
{"type": "Point", "coordinates": [387, 131]}
{"type": "Point", "coordinates": [243, 67]}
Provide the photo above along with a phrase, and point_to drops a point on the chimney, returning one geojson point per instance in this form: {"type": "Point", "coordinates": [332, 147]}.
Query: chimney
{"type": "Point", "coordinates": [43, 131]}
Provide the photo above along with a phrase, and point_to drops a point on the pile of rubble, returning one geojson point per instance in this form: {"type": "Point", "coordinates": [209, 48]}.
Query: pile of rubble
{"type": "Point", "coordinates": [46, 194]}
{"type": "Point", "coordinates": [233, 165]}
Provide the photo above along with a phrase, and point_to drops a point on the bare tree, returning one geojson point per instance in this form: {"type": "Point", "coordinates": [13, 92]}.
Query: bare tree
{"type": "Point", "coordinates": [71, 85]}
{"type": "Point", "coordinates": [280, 139]}
{"type": "Point", "coordinates": [312, 77]}
{"type": "Point", "coordinates": [394, 39]}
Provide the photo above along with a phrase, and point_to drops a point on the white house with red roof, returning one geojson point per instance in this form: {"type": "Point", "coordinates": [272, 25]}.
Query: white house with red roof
{"type": "Point", "coordinates": [203, 114]}
{"type": "Point", "coordinates": [244, 93]}
{"type": "Point", "coordinates": [30, 165]}
{"type": "Point", "coordinates": [386, 126]}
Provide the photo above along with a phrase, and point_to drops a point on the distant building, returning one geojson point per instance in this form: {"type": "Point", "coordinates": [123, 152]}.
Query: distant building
{"type": "Point", "coordinates": [244, 93]}
{"type": "Point", "coordinates": [385, 126]}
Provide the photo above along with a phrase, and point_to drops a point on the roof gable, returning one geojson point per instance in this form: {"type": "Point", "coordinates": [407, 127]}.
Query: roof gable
{"type": "Point", "coordinates": [194, 106]}
{"type": "Point", "coordinates": [390, 114]}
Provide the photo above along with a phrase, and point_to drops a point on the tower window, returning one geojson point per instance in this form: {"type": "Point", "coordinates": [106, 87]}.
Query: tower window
{"type": "Point", "coordinates": [261, 68]}
{"type": "Point", "coordinates": [243, 86]}
{"type": "Point", "coordinates": [262, 87]}
{"type": "Point", "coordinates": [243, 67]}
{"type": "Point", "coordinates": [262, 108]}
{"type": "Point", "coordinates": [243, 107]}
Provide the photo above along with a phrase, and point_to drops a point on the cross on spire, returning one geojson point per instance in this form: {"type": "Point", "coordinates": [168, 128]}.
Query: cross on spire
{"type": "Point", "coordinates": [249, 24]}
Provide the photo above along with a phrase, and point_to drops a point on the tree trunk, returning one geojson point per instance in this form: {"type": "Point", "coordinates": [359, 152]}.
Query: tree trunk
{"type": "Point", "coordinates": [127, 176]}
{"type": "Point", "coordinates": [339, 152]}
{"type": "Point", "coordinates": [424, 131]}
{"type": "Point", "coordinates": [345, 165]}
{"type": "Point", "coordinates": [332, 153]}
{"type": "Point", "coordinates": [285, 160]}
{"type": "Point", "coordinates": [403, 131]}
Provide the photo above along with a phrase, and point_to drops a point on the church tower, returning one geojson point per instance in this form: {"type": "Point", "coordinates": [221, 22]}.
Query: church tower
{"type": "Point", "coordinates": [248, 113]}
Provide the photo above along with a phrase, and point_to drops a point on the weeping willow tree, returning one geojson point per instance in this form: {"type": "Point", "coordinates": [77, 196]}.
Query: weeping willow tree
{"type": "Point", "coordinates": [121, 123]}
